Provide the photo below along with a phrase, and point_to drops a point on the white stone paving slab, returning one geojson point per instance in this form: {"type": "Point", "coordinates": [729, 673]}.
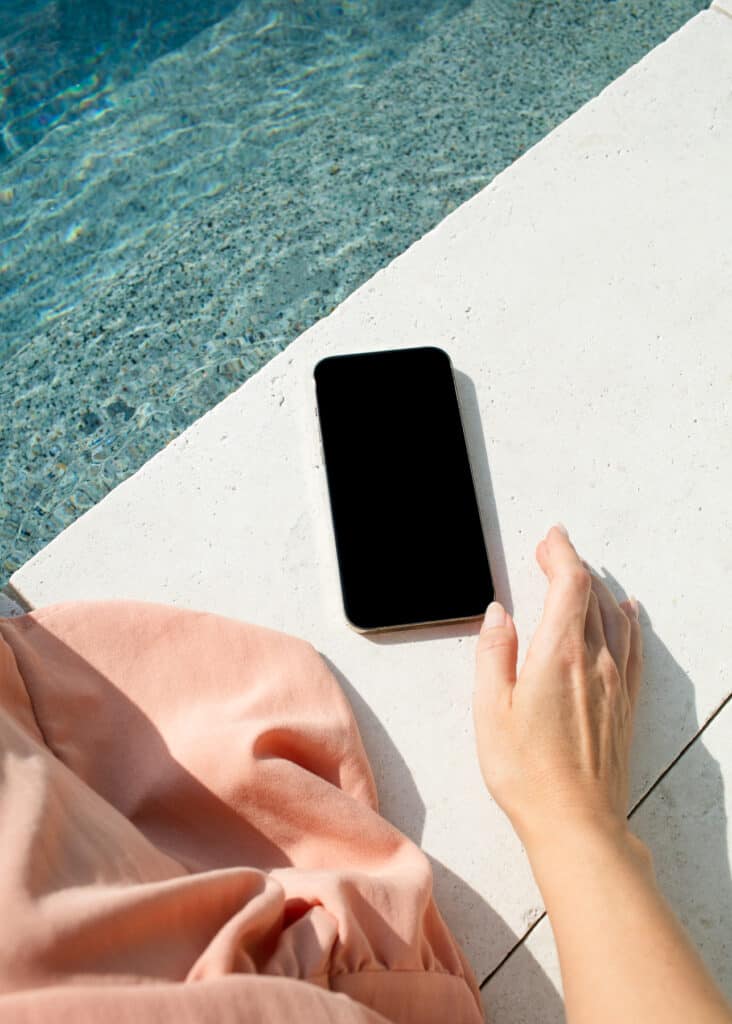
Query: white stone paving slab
{"type": "Point", "coordinates": [584, 298]}
{"type": "Point", "coordinates": [686, 822]}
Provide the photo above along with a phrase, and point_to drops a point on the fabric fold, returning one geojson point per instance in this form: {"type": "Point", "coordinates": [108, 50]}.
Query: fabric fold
{"type": "Point", "coordinates": [186, 803]}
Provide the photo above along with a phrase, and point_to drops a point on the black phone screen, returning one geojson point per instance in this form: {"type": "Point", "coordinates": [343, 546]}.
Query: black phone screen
{"type": "Point", "coordinates": [407, 527]}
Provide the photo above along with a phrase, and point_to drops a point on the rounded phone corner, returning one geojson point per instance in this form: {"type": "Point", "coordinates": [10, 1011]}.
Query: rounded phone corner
{"type": "Point", "coordinates": [361, 630]}
{"type": "Point", "coordinates": [317, 369]}
{"type": "Point", "coordinates": [441, 351]}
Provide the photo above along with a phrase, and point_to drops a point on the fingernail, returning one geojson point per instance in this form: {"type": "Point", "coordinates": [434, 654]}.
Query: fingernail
{"type": "Point", "coordinates": [633, 602]}
{"type": "Point", "coordinates": [494, 615]}
{"type": "Point", "coordinates": [562, 529]}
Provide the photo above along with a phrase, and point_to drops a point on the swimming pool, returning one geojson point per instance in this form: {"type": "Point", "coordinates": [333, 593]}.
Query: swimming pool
{"type": "Point", "coordinates": [181, 196]}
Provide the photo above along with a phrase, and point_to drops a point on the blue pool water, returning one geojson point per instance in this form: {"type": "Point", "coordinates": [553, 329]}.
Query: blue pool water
{"type": "Point", "coordinates": [186, 187]}
{"type": "Point", "coordinates": [62, 60]}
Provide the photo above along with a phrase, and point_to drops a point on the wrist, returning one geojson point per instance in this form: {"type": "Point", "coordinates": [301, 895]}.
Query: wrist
{"type": "Point", "coordinates": [560, 845]}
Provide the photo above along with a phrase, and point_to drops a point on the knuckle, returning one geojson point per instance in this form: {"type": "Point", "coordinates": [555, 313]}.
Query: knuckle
{"type": "Point", "coordinates": [580, 579]}
{"type": "Point", "coordinates": [624, 627]}
{"type": "Point", "coordinates": [633, 623]}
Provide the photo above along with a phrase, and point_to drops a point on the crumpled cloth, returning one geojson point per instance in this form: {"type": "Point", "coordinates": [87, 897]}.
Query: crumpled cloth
{"type": "Point", "coordinates": [189, 832]}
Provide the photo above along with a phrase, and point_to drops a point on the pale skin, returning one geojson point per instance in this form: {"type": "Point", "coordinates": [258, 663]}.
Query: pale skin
{"type": "Point", "coordinates": [553, 743]}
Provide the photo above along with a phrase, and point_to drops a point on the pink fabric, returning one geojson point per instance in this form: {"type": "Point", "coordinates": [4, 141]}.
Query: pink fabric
{"type": "Point", "coordinates": [190, 833]}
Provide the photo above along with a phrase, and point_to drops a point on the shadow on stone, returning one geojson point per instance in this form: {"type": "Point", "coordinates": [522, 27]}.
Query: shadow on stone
{"type": "Point", "coordinates": [401, 804]}
{"type": "Point", "coordinates": [681, 817]}
{"type": "Point", "coordinates": [684, 822]}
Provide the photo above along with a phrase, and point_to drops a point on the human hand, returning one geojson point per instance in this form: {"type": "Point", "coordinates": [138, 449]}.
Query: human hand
{"type": "Point", "coordinates": [554, 744]}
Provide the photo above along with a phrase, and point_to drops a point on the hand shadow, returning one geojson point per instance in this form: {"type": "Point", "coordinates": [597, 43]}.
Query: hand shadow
{"type": "Point", "coordinates": [473, 922]}
{"type": "Point", "coordinates": [167, 803]}
{"type": "Point", "coordinates": [690, 849]}
{"type": "Point", "coordinates": [677, 802]}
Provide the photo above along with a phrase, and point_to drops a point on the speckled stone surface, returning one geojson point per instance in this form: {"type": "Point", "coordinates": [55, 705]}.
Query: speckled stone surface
{"type": "Point", "coordinates": [156, 253]}
{"type": "Point", "coordinates": [584, 297]}
{"type": "Point", "coordinates": [687, 824]}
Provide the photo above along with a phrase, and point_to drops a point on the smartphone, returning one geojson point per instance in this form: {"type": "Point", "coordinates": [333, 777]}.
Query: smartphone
{"type": "Point", "coordinates": [408, 534]}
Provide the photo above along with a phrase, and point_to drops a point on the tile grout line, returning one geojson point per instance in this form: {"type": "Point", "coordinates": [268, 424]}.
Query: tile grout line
{"type": "Point", "coordinates": [639, 803]}
{"type": "Point", "coordinates": [632, 811]}
{"type": "Point", "coordinates": [513, 949]}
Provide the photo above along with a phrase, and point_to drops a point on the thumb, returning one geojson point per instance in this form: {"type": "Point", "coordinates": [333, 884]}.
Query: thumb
{"type": "Point", "coordinates": [497, 650]}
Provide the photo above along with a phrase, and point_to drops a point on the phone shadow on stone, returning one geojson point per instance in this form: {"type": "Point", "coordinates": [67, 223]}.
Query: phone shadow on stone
{"type": "Point", "coordinates": [401, 804]}
{"type": "Point", "coordinates": [478, 455]}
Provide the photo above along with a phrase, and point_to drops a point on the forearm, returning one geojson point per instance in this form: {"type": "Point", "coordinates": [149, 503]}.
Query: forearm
{"type": "Point", "coordinates": [623, 954]}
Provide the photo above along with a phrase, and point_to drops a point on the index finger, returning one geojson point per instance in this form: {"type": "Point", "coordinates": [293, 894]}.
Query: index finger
{"type": "Point", "coordinates": [570, 584]}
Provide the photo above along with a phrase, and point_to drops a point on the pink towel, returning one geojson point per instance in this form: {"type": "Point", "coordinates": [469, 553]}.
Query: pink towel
{"type": "Point", "coordinates": [190, 833]}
